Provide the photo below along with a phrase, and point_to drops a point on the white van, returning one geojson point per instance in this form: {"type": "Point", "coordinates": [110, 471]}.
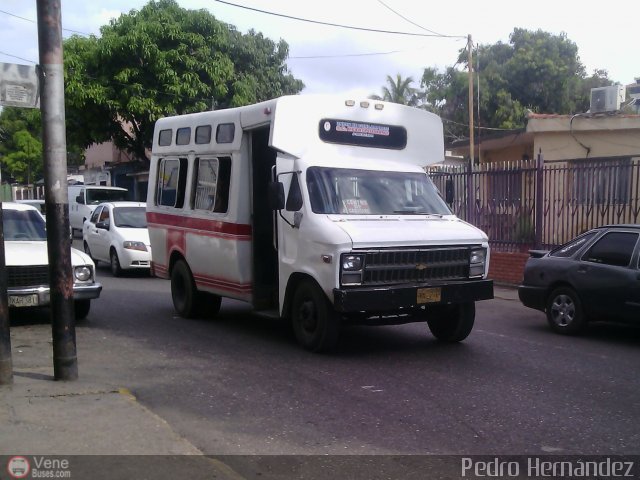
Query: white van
{"type": "Point", "coordinates": [83, 200]}
{"type": "Point", "coordinates": [315, 208]}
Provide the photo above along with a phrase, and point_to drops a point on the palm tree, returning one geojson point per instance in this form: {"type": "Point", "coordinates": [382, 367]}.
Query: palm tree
{"type": "Point", "coordinates": [399, 91]}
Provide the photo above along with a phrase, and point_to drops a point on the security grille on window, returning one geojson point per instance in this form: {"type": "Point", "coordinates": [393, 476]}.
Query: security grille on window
{"type": "Point", "coordinates": [212, 184]}
{"type": "Point", "coordinates": [172, 182]}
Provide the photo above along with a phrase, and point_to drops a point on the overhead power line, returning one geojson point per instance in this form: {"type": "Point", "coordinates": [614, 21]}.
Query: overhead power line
{"type": "Point", "coordinates": [410, 21]}
{"type": "Point", "coordinates": [33, 21]}
{"type": "Point", "coordinates": [351, 27]}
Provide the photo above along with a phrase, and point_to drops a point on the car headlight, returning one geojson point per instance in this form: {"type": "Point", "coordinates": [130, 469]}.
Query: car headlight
{"type": "Point", "coordinates": [82, 274]}
{"type": "Point", "coordinates": [131, 245]}
{"type": "Point", "coordinates": [477, 261]}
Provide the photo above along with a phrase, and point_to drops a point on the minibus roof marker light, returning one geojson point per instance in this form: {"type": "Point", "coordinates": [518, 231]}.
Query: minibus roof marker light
{"type": "Point", "coordinates": [349, 103]}
{"type": "Point", "coordinates": [364, 104]}
{"type": "Point", "coordinates": [267, 110]}
{"type": "Point", "coordinates": [379, 106]}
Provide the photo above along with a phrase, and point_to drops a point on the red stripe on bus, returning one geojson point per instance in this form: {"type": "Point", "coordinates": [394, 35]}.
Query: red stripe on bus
{"type": "Point", "coordinates": [200, 224]}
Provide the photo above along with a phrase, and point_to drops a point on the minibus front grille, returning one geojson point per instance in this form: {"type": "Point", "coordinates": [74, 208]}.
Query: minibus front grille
{"type": "Point", "coordinates": [415, 265]}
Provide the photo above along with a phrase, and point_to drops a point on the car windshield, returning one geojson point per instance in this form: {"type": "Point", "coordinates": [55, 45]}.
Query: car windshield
{"type": "Point", "coordinates": [369, 192]}
{"type": "Point", "coordinates": [130, 217]}
{"type": "Point", "coordinates": [23, 225]}
{"type": "Point", "coordinates": [96, 196]}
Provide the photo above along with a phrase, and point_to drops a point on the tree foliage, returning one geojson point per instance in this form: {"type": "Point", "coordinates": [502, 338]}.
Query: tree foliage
{"type": "Point", "coordinates": [536, 71]}
{"type": "Point", "coordinates": [400, 91]}
{"type": "Point", "coordinates": [20, 144]}
{"type": "Point", "coordinates": [165, 60]}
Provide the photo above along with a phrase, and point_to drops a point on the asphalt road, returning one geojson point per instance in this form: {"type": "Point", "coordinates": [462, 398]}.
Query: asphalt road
{"type": "Point", "coordinates": [239, 384]}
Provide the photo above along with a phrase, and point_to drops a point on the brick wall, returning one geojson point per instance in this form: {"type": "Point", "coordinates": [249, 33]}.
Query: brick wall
{"type": "Point", "coordinates": [506, 267]}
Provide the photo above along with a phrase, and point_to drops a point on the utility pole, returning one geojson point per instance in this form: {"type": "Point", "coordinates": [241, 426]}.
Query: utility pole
{"type": "Point", "coordinates": [470, 59]}
{"type": "Point", "coordinates": [470, 191]}
{"type": "Point", "coordinates": [6, 366]}
{"type": "Point", "coordinates": [65, 362]}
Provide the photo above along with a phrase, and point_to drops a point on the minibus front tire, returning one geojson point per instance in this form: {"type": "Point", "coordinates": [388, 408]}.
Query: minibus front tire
{"type": "Point", "coordinates": [451, 323]}
{"type": "Point", "coordinates": [183, 290]}
{"type": "Point", "coordinates": [315, 323]}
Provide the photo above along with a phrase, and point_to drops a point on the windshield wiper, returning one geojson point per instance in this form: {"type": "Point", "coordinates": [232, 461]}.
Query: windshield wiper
{"type": "Point", "coordinates": [418, 212]}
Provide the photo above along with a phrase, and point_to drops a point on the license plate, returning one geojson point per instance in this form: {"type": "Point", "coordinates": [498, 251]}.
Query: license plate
{"type": "Point", "coordinates": [429, 295]}
{"type": "Point", "coordinates": [23, 301]}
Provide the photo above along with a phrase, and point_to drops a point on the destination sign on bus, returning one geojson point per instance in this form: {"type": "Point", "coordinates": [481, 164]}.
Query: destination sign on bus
{"type": "Point", "coordinates": [348, 132]}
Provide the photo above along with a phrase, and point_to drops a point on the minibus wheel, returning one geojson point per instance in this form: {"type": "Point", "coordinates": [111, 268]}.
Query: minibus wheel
{"type": "Point", "coordinates": [451, 323]}
{"type": "Point", "coordinates": [183, 290]}
{"type": "Point", "coordinates": [315, 322]}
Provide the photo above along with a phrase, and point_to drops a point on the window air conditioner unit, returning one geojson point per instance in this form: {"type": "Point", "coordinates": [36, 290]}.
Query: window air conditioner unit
{"type": "Point", "coordinates": [607, 99]}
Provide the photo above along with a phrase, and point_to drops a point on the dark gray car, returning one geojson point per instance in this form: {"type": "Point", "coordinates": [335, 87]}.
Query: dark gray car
{"type": "Point", "coordinates": [595, 276]}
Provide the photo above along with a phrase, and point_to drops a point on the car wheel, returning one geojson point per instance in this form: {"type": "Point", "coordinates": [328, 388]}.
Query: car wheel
{"type": "Point", "coordinates": [451, 323]}
{"type": "Point", "coordinates": [315, 322]}
{"type": "Point", "coordinates": [564, 312]}
{"type": "Point", "coordinates": [81, 308]}
{"type": "Point", "coordinates": [116, 270]}
{"type": "Point", "coordinates": [87, 250]}
{"type": "Point", "coordinates": [184, 293]}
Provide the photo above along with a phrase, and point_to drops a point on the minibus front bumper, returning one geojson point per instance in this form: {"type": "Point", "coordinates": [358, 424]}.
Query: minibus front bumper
{"type": "Point", "coordinates": [396, 298]}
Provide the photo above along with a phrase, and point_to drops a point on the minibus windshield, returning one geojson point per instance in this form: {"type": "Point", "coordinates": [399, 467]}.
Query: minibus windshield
{"type": "Point", "coordinates": [371, 192]}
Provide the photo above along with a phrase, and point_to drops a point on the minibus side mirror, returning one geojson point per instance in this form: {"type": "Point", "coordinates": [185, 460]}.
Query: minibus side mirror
{"type": "Point", "coordinates": [276, 195]}
{"type": "Point", "coordinates": [449, 193]}
{"type": "Point", "coordinates": [79, 199]}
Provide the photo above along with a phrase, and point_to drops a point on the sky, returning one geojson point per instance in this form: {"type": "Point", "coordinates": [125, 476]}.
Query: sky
{"type": "Point", "coordinates": [331, 59]}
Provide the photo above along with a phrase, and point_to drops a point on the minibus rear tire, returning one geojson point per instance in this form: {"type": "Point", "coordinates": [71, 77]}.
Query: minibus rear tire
{"type": "Point", "coordinates": [183, 290]}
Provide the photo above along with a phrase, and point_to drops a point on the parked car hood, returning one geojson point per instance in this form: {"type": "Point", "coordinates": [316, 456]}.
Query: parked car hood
{"type": "Point", "coordinates": [35, 253]}
{"type": "Point", "coordinates": [405, 230]}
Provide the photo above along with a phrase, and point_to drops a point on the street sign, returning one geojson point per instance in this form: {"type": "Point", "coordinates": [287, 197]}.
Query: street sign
{"type": "Point", "coordinates": [19, 86]}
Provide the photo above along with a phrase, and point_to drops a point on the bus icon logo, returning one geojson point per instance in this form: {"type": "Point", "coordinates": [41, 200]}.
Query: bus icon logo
{"type": "Point", "coordinates": [18, 467]}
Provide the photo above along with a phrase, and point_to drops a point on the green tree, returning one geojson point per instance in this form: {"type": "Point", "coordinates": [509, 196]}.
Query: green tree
{"type": "Point", "coordinates": [20, 144]}
{"type": "Point", "coordinates": [399, 90]}
{"type": "Point", "coordinates": [536, 71]}
{"type": "Point", "coordinates": [165, 60]}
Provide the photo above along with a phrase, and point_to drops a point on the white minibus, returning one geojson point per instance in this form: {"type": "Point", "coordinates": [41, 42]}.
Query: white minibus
{"type": "Point", "coordinates": [316, 209]}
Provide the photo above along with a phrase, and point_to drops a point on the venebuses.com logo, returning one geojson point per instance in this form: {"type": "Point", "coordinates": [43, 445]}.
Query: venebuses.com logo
{"type": "Point", "coordinates": [18, 467]}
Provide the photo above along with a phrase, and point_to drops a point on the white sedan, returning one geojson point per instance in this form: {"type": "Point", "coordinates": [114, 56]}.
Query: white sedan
{"type": "Point", "coordinates": [27, 262]}
{"type": "Point", "coordinates": [117, 233]}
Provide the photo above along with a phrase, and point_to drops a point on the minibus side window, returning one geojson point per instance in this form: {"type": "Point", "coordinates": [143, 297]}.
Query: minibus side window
{"type": "Point", "coordinates": [225, 133]}
{"type": "Point", "coordinates": [203, 134]}
{"type": "Point", "coordinates": [172, 181]}
{"type": "Point", "coordinates": [294, 198]}
{"type": "Point", "coordinates": [183, 136]}
{"type": "Point", "coordinates": [164, 138]}
{"type": "Point", "coordinates": [212, 178]}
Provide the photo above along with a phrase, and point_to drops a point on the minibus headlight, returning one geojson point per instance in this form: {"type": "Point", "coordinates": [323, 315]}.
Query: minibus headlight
{"type": "Point", "coordinates": [351, 269]}
{"type": "Point", "coordinates": [477, 261]}
{"type": "Point", "coordinates": [351, 263]}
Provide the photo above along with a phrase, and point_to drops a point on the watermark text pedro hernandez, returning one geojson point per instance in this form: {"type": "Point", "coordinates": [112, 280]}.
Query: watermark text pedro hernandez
{"type": "Point", "coordinates": [536, 467]}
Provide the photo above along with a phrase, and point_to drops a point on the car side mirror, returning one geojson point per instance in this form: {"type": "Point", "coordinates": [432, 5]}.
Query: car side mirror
{"type": "Point", "coordinates": [276, 196]}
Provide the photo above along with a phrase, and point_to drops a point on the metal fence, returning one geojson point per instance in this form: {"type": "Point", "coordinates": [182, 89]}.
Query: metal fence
{"type": "Point", "coordinates": [536, 204]}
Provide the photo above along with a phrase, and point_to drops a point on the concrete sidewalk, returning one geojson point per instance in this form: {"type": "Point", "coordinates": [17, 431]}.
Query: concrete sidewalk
{"type": "Point", "coordinates": [43, 417]}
